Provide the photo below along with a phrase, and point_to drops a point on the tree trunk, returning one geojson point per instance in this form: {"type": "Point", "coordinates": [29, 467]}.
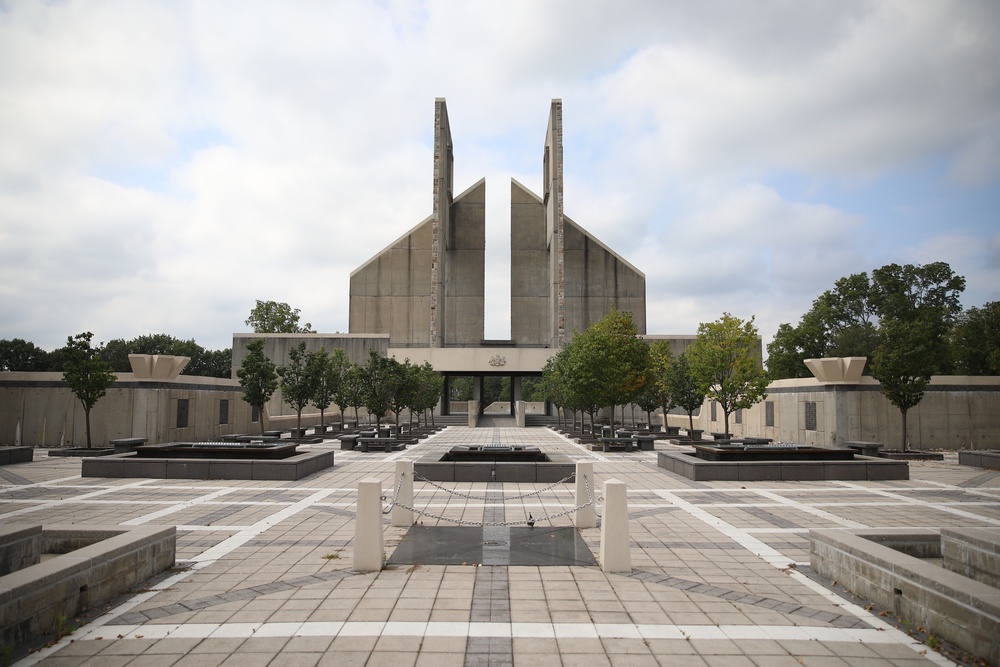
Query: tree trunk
{"type": "Point", "coordinates": [261, 410]}
{"type": "Point", "coordinates": [903, 447]}
{"type": "Point", "coordinates": [725, 423]}
{"type": "Point", "coordinates": [298, 422]}
{"type": "Point", "coordinates": [690, 421]}
{"type": "Point", "coordinates": [322, 420]}
{"type": "Point", "coordinates": [86, 413]}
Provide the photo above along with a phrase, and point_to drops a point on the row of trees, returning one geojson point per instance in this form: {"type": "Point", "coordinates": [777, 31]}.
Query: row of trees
{"type": "Point", "coordinates": [908, 322]}
{"type": "Point", "coordinates": [22, 355]}
{"type": "Point", "coordinates": [609, 365]}
{"type": "Point", "coordinates": [323, 379]}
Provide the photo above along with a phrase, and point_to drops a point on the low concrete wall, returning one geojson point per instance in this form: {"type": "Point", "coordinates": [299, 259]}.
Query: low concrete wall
{"type": "Point", "coordinates": [31, 599]}
{"type": "Point", "coordinates": [9, 455]}
{"type": "Point", "coordinates": [972, 553]}
{"type": "Point", "coordinates": [989, 458]}
{"type": "Point", "coordinates": [960, 610]}
{"type": "Point", "coordinates": [957, 412]}
{"type": "Point", "coordinates": [20, 547]}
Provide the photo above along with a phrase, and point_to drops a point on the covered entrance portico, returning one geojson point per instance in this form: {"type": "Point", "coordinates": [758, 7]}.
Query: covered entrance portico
{"type": "Point", "coordinates": [491, 377]}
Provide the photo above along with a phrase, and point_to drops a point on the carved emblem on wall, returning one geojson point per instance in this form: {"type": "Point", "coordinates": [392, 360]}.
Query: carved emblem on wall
{"type": "Point", "coordinates": [497, 360]}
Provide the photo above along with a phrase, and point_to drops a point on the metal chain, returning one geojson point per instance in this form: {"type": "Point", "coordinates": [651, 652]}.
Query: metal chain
{"type": "Point", "coordinates": [548, 517]}
{"type": "Point", "coordinates": [505, 498]}
{"type": "Point", "coordinates": [395, 498]}
{"type": "Point", "coordinates": [590, 497]}
{"type": "Point", "coordinates": [466, 522]}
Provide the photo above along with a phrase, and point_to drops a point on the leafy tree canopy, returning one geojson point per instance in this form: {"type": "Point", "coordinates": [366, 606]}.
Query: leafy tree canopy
{"type": "Point", "coordinates": [20, 355]}
{"type": "Point", "coordinates": [975, 341]}
{"type": "Point", "coordinates": [274, 317]}
{"type": "Point", "coordinates": [725, 361]}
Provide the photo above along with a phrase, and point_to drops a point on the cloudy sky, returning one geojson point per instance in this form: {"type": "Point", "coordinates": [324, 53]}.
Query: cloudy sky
{"type": "Point", "coordinates": [164, 164]}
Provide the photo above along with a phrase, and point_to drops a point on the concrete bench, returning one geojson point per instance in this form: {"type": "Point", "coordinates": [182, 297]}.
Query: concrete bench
{"type": "Point", "coordinates": [380, 444]}
{"type": "Point", "coordinates": [125, 445]}
{"type": "Point", "coordinates": [865, 448]}
{"type": "Point", "coordinates": [611, 444]}
{"type": "Point", "coordinates": [349, 442]}
{"type": "Point", "coordinates": [647, 443]}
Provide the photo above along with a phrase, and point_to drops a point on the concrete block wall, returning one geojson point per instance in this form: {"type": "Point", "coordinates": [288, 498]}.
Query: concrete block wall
{"type": "Point", "coordinates": [957, 412]}
{"type": "Point", "coordinates": [49, 413]}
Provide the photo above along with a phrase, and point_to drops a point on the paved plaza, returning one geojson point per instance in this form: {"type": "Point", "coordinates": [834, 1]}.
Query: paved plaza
{"type": "Point", "coordinates": [719, 575]}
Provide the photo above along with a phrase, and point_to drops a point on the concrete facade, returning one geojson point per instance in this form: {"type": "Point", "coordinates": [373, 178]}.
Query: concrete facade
{"type": "Point", "coordinates": [49, 414]}
{"type": "Point", "coordinates": [427, 289]}
{"type": "Point", "coordinates": [562, 278]}
{"type": "Point", "coordinates": [957, 412]}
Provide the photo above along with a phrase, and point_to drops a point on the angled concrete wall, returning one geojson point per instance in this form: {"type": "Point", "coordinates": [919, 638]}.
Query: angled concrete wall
{"type": "Point", "coordinates": [427, 289]}
{"type": "Point", "coordinates": [391, 292]}
{"type": "Point", "coordinates": [562, 278]}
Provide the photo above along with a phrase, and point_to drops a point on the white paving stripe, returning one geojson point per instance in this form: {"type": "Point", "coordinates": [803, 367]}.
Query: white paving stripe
{"type": "Point", "coordinates": [833, 518]}
{"type": "Point", "coordinates": [923, 503]}
{"type": "Point", "coordinates": [166, 511]}
{"type": "Point", "coordinates": [492, 629]}
{"type": "Point", "coordinates": [776, 559]}
{"type": "Point", "coordinates": [250, 532]}
{"type": "Point", "coordinates": [70, 501]}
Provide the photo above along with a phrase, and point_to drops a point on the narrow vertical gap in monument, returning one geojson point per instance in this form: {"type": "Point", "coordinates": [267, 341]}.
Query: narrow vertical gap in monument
{"type": "Point", "coordinates": [497, 299]}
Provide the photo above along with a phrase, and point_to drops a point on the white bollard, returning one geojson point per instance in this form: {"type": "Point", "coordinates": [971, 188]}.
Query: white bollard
{"type": "Point", "coordinates": [585, 517]}
{"type": "Point", "coordinates": [400, 515]}
{"type": "Point", "coordinates": [615, 547]}
{"type": "Point", "coordinates": [369, 545]}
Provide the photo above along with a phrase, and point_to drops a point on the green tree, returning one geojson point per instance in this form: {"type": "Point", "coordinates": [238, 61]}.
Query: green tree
{"type": "Point", "coordinates": [206, 363]}
{"type": "Point", "coordinates": [917, 306]}
{"type": "Point", "coordinates": [258, 376]}
{"type": "Point", "coordinates": [297, 381]}
{"type": "Point", "coordinates": [429, 386]}
{"type": "Point", "coordinates": [792, 345]}
{"type": "Point", "coordinates": [20, 355]}
{"type": "Point", "coordinates": [381, 385]}
{"type": "Point", "coordinates": [352, 392]}
{"type": "Point", "coordinates": [724, 359]}
{"type": "Point", "coordinates": [404, 384]}
{"type": "Point", "coordinates": [975, 341]}
{"type": "Point", "coordinates": [87, 375]}
{"type": "Point", "coordinates": [274, 317]}
{"type": "Point", "coordinates": [624, 359]}
{"type": "Point", "coordinates": [684, 389]}
{"type": "Point", "coordinates": [661, 358]}
{"type": "Point", "coordinates": [327, 371]}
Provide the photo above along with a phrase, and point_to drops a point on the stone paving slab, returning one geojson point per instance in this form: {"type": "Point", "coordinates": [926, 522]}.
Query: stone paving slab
{"type": "Point", "coordinates": [719, 568]}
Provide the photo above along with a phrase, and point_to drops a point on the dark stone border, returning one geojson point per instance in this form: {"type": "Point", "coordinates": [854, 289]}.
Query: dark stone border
{"type": "Point", "coordinates": [557, 468]}
{"type": "Point", "coordinates": [988, 458]}
{"type": "Point", "coordinates": [128, 465]}
{"type": "Point", "coordinates": [82, 452]}
{"type": "Point", "coordinates": [861, 468]}
{"type": "Point", "coordinates": [10, 455]}
{"type": "Point", "coordinates": [897, 455]}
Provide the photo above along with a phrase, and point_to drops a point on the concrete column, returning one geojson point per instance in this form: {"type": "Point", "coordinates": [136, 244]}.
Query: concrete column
{"type": "Point", "coordinates": [519, 415]}
{"type": "Point", "coordinates": [401, 516]}
{"type": "Point", "coordinates": [369, 545]}
{"type": "Point", "coordinates": [615, 547]}
{"type": "Point", "coordinates": [585, 517]}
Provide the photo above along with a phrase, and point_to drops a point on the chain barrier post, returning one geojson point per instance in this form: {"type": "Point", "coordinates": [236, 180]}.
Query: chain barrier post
{"type": "Point", "coordinates": [615, 547]}
{"type": "Point", "coordinates": [369, 544]}
{"type": "Point", "coordinates": [585, 516]}
{"type": "Point", "coordinates": [401, 516]}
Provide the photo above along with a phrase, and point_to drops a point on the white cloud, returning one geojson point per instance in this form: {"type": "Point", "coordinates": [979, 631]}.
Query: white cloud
{"type": "Point", "coordinates": [165, 164]}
